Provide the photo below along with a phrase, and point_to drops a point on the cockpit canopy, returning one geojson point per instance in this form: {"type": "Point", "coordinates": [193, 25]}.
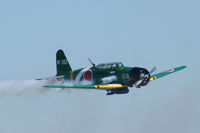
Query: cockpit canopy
{"type": "Point", "coordinates": [112, 65]}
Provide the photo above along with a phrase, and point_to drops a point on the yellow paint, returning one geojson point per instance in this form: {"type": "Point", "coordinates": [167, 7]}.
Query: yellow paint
{"type": "Point", "coordinates": [71, 75]}
{"type": "Point", "coordinates": [110, 86]}
{"type": "Point", "coordinates": [153, 78]}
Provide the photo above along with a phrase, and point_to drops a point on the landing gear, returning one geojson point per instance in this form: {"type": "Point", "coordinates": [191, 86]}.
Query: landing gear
{"type": "Point", "coordinates": [109, 92]}
{"type": "Point", "coordinates": [118, 91]}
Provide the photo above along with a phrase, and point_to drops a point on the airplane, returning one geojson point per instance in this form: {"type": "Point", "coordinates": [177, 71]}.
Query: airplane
{"type": "Point", "coordinates": [113, 77]}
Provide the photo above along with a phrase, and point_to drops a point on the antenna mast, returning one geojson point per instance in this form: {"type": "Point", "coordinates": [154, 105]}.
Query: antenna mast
{"type": "Point", "coordinates": [92, 63]}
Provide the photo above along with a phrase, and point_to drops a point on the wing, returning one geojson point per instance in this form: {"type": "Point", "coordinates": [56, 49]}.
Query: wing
{"type": "Point", "coordinates": [165, 73]}
{"type": "Point", "coordinates": [99, 87]}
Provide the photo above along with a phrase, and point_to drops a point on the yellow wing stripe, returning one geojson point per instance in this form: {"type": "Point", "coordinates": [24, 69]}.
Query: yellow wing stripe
{"type": "Point", "coordinates": [153, 78]}
{"type": "Point", "coordinates": [110, 86]}
{"type": "Point", "coordinates": [71, 75]}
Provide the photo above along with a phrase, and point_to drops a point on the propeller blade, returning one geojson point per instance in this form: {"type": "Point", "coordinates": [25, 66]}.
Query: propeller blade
{"type": "Point", "coordinates": [152, 70]}
{"type": "Point", "coordinates": [137, 84]}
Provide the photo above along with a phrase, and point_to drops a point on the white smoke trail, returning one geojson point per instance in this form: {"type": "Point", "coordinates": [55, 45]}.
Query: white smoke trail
{"type": "Point", "coordinates": [70, 83]}
{"type": "Point", "coordinates": [19, 87]}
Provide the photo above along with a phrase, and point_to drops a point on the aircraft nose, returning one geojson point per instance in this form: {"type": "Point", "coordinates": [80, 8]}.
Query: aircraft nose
{"type": "Point", "coordinates": [139, 76]}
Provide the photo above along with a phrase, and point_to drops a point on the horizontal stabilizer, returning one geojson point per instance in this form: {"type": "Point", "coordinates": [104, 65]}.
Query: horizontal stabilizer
{"type": "Point", "coordinates": [52, 78]}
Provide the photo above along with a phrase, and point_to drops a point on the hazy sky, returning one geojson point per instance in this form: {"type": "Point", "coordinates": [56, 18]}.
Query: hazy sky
{"type": "Point", "coordinates": [142, 33]}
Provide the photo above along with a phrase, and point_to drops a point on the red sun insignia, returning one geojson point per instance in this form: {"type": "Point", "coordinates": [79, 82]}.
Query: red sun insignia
{"type": "Point", "coordinates": [88, 75]}
{"type": "Point", "coordinates": [171, 70]}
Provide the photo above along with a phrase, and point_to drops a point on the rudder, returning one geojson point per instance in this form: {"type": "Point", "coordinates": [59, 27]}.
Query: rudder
{"type": "Point", "coordinates": [62, 63]}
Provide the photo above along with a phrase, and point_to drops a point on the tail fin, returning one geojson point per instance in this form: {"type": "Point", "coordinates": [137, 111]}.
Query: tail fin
{"type": "Point", "coordinates": [62, 63]}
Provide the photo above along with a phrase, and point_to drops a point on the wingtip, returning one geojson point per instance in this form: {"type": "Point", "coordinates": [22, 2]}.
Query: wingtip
{"type": "Point", "coordinates": [183, 67]}
{"type": "Point", "coordinates": [179, 68]}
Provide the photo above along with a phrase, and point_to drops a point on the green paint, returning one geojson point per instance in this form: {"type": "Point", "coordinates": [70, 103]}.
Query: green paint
{"type": "Point", "coordinates": [103, 74]}
{"type": "Point", "coordinates": [75, 86]}
{"type": "Point", "coordinates": [165, 73]}
{"type": "Point", "coordinates": [62, 63]}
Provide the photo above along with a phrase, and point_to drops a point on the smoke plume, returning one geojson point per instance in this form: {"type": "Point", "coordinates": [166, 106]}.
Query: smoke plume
{"type": "Point", "coordinates": [19, 87]}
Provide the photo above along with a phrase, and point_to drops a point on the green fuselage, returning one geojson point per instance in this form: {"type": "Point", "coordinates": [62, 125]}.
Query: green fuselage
{"type": "Point", "coordinates": [100, 76]}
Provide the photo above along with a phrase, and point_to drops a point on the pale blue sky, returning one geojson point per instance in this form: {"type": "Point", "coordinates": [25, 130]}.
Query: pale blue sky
{"type": "Point", "coordinates": [143, 33]}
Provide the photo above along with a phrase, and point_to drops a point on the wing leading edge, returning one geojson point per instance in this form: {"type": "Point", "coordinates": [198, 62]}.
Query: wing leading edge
{"type": "Point", "coordinates": [167, 72]}
{"type": "Point", "coordinates": [99, 87]}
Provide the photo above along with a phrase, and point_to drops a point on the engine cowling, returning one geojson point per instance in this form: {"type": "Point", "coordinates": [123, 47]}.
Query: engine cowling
{"type": "Point", "coordinates": [138, 77]}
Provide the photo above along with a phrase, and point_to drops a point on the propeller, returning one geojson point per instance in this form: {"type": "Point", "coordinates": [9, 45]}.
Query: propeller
{"type": "Point", "coordinates": [143, 77]}
{"type": "Point", "coordinates": [153, 70]}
